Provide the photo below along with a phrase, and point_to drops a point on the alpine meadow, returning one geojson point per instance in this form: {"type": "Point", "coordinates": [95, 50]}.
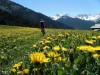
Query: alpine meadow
{"type": "Point", "coordinates": [24, 51]}
{"type": "Point", "coordinates": [49, 37]}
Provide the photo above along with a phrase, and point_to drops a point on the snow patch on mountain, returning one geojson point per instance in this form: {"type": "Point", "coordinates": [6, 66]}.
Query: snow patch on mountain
{"type": "Point", "coordinates": [57, 16]}
{"type": "Point", "coordinates": [87, 17]}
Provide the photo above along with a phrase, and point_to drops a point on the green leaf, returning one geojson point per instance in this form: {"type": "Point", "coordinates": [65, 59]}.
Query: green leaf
{"type": "Point", "coordinates": [61, 72]}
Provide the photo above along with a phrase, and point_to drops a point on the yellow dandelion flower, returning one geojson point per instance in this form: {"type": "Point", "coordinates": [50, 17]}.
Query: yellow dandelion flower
{"type": "Point", "coordinates": [20, 73]}
{"type": "Point", "coordinates": [91, 50]}
{"type": "Point", "coordinates": [56, 48]}
{"type": "Point", "coordinates": [58, 59]}
{"type": "Point", "coordinates": [16, 66]}
{"type": "Point", "coordinates": [46, 47]}
{"type": "Point", "coordinates": [53, 54]}
{"type": "Point", "coordinates": [41, 42]}
{"type": "Point", "coordinates": [20, 63]}
{"type": "Point", "coordinates": [94, 37]}
{"type": "Point", "coordinates": [98, 37]}
{"type": "Point", "coordinates": [94, 40]}
{"type": "Point", "coordinates": [49, 38]}
{"type": "Point", "coordinates": [64, 49]}
{"type": "Point", "coordinates": [34, 46]}
{"type": "Point", "coordinates": [55, 39]}
{"type": "Point", "coordinates": [26, 71]}
{"type": "Point", "coordinates": [87, 48]}
{"type": "Point", "coordinates": [47, 41]}
{"type": "Point", "coordinates": [38, 57]}
{"type": "Point", "coordinates": [97, 48]}
{"type": "Point", "coordinates": [96, 55]}
{"type": "Point", "coordinates": [13, 70]}
{"type": "Point", "coordinates": [60, 35]}
{"type": "Point", "coordinates": [89, 41]}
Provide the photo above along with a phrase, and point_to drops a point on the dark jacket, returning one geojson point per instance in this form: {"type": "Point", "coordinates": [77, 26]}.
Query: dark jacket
{"type": "Point", "coordinates": [42, 24]}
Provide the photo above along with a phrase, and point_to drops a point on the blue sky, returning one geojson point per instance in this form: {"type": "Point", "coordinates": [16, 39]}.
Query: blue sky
{"type": "Point", "coordinates": [53, 7]}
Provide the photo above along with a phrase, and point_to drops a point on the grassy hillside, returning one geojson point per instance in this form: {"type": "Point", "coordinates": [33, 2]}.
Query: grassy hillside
{"type": "Point", "coordinates": [59, 52]}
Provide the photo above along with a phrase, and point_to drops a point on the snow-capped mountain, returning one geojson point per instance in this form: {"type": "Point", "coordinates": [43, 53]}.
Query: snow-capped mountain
{"type": "Point", "coordinates": [87, 17]}
{"type": "Point", "coordinates": [75, 22]}
{"type": "Point", "coordinates": [57, 16]}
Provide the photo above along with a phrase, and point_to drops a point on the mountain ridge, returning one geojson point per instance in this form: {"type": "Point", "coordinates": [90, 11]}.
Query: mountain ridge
{"type": "Point", "coordinates": [88, 17]}
{"type": "Point", "coordinates": [74, 22]}
{"type": "Point", "coordinates": [33, 17]}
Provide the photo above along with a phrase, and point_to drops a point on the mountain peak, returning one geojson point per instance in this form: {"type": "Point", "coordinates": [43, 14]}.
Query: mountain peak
{"type": "Point", "coordinates": [88, 17]}
{"type": "Point", "coordinates": [57, 16]}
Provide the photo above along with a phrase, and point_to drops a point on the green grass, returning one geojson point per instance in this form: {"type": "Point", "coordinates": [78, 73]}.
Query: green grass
{"type": "Point", "coordinates": [18, 41]}
{"type": "Point", "coordinates": [16, 44]}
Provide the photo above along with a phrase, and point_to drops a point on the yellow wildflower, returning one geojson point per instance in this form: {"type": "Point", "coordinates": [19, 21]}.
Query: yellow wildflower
{"type": "Point", "coordinates": [55, 39]}
{"type": "Point", "coordinates": [57, 59]}
{"type": "Point", "coordinates": [96, 55]}
{"type": "Point", "coordinates": [16, 66]}
{"type": "Point", "coordinates": [34, 46]}
{"type": "Point", "coordinates": [49, 38]}
{"type": "Point", "coordinates": [20, 63]}
{"type": "Point", "coordinates": [13, 70]}
{"type": "Point", "coordinates": [98, 37]}
{"type": "Point", "coordinates": [97, 49]}
{"type": "Point", "coordinates": [46, 47]}
{"type": "Point", "coordinates": [87, 48]}
{"type": "Point", "coordinates": [94, 37]}
{"type": "Point", "coordinates": [38, 57]}
{"type": "Point", "coordinates": [53, 54]}
{"type": "Point", "coordinates": [64, 49]}
{"type": "Point", "coordinates": [41, 42]}
{"type": "Point", "coordinates": [25, 71]}
{"type": "Point", "coordinates": [56, 48]}
{"type": "Point", "coordinates": [60, 35]}
{"type": "Point", "coordinates": [47, 41]}
{"type": "Point", "coordinates": [89, 41]}
{"type": "Point", "coordinates": [20, 73]}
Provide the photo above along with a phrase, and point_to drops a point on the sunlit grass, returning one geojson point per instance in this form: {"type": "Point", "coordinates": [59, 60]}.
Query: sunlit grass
{"type": "Point", "coordinates": [60, 51]}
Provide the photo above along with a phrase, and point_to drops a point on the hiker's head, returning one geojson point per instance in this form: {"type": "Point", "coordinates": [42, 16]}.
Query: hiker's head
{"type": "Point", "coordinates": [42, 20]}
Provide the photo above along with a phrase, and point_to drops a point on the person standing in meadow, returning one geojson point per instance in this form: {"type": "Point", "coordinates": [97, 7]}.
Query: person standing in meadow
{"type": "Point", "coordinates": [42, 23]}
